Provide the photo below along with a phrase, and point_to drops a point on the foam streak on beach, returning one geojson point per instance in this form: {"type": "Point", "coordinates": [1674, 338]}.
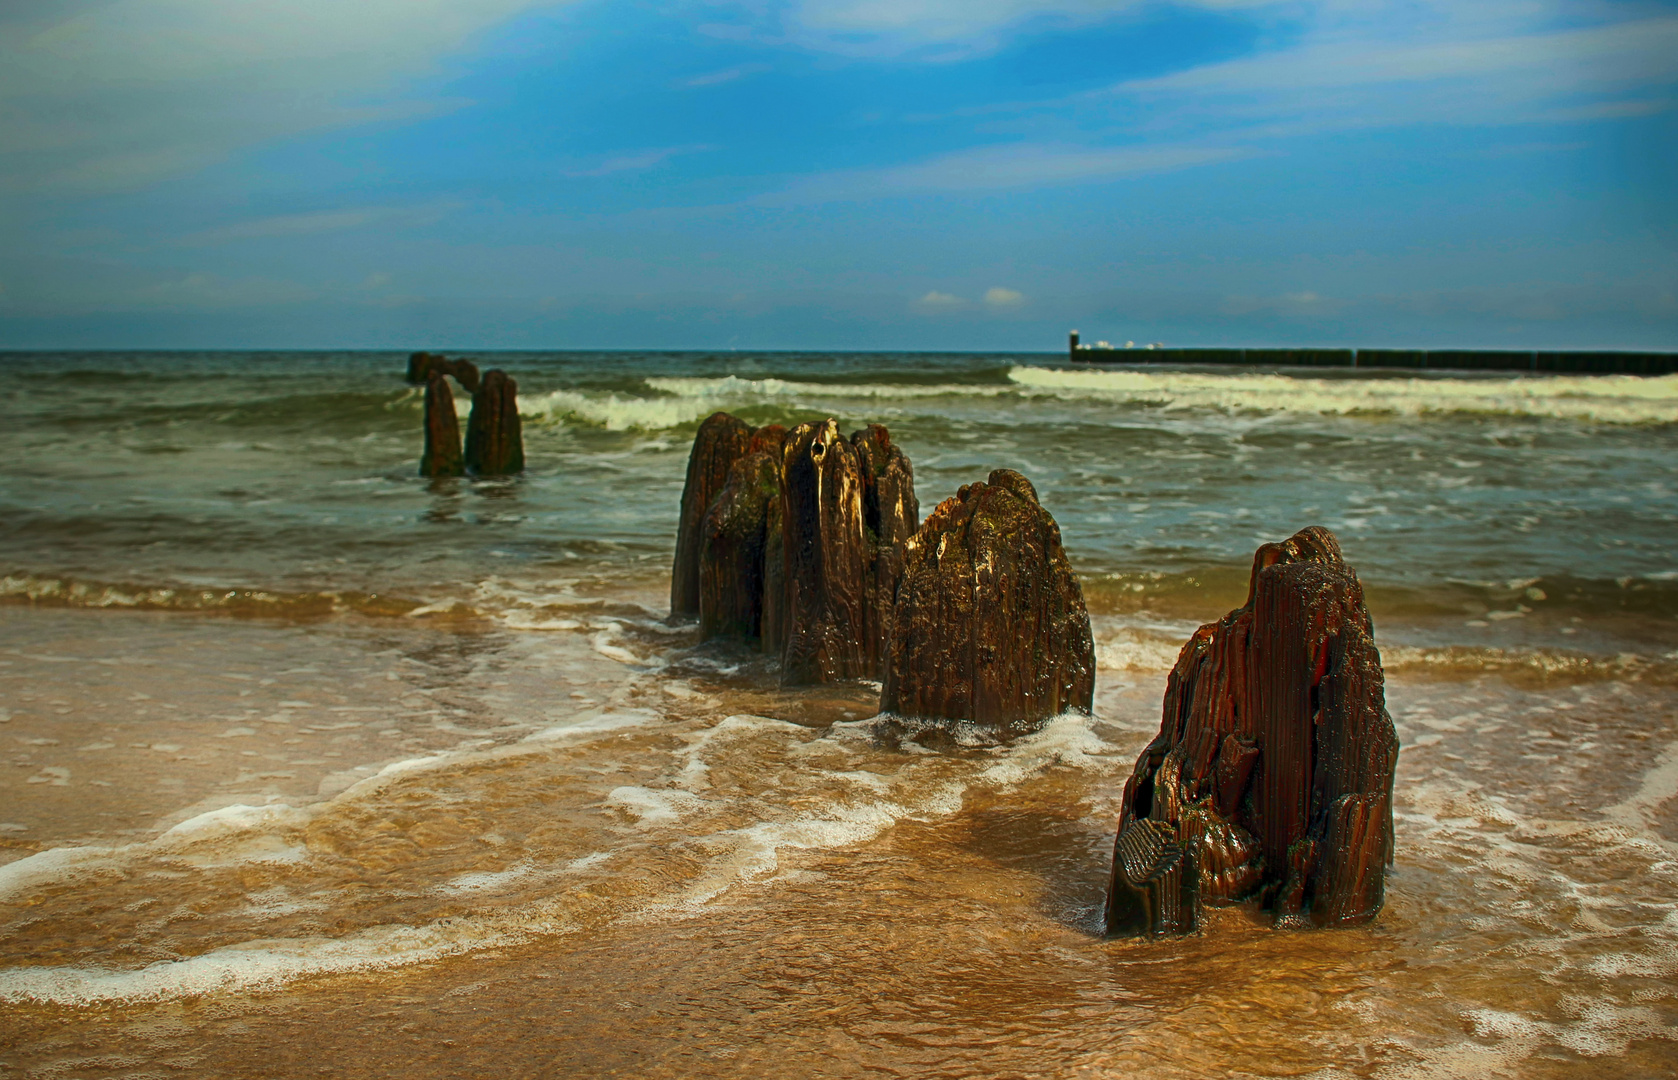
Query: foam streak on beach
{"type": "Point", "coordinates": [316, 763]}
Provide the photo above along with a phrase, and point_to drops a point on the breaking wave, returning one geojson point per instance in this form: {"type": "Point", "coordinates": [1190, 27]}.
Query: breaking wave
{"type": "Point", "coordinates": [679, 401]}
{"type": "Point", "coordinates": [676, 401]}
{"type": "Point", "coordinates": [1610, 399]}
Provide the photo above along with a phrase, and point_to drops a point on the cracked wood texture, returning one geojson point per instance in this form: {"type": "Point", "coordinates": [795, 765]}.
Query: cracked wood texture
{"type": "Point", "coordinates": [442, 456]}
{"type": "Point", "coordinates": [988, 623]}
{"type": "Point", "coordinates": [735, 538]}
{"type": "Point", "coordinates": [827, 560]}
{"type": "Point", "coordinates": [796, 542]}
{"type": "Point", "coordinates": [494, 433]}
{"type": "Point", "coordinates": [890, 516]}
{"type": "Point", "coordinates": [719, 443]}
{"type": "Point", "coordinates": [1274, 763]}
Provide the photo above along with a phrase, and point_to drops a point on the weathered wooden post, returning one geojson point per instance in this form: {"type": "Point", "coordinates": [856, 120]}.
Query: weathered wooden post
{"type": "Point", "coordinates": [465, 373]}
{"type": "Point", "coordinates": [719, 443]}
{"type": "Point", "coordinates": [890, 515]}
{"type": "Point", "coordinates": [989, 623]}
{"type": "Point", "coordinates": [826, 559]}
{"type": "Point", "coordinates": [420, 366]}
{"type": "Point", "coordinates": [442, 456]}
{"type": "Point", "coordinates": [1271, 777]}
{"type": "Point", "coordinates": [734, 539]}
{"type": "Point", "coordinates": [494, 434]}
{"type": "Point", "coordinates": [795, 540]}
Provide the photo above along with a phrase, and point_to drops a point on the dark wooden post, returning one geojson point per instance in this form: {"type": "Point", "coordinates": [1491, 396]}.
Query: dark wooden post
{"type": "Point", "coordinates": [1272, 773]}
{"type": "Point", "coordinates": [734, 540]}
{"type": "Point", "coordinates": [719, 443]}
{"type": "Point", "coordinates": [826, 559]}
{"type": "Point", "coordinates": [890, 515]}
{"type": "Point", "coordinates": [420, 366]}
{"type": "Point", "coordinates": [494, 434]}
{"type": "Point", "coordinates": [989, 623]}
{"type": "Point", "coordinates": [442, 456]}
{"type": "Point", "coordinates": [465, 373]}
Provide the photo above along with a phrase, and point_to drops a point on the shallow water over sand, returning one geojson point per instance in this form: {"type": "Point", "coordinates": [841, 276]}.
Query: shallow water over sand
{"type": "Point", "coordinates": [510, 879]}
{"type": "Point", "coordinates": [462, 813]}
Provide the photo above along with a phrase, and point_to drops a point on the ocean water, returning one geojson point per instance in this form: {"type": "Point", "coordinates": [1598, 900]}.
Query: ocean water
{"type": "Point", "coordinates": [315, 766]}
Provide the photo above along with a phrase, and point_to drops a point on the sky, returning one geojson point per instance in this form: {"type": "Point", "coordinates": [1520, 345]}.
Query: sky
{"type": "Point", "coordinates": [837, 174]}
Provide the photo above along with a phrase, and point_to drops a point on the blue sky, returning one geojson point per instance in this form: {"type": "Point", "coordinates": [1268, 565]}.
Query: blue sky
{"type": "Point", "coordinates": [837, 174]}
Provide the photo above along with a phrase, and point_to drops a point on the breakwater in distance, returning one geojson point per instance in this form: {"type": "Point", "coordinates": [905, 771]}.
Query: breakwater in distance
{"type": "Point", "coordinates": [1561, 363]}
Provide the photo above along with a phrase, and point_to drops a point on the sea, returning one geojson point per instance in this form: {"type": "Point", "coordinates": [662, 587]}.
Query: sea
{"type": "Point", "coordinates": [313, 766]}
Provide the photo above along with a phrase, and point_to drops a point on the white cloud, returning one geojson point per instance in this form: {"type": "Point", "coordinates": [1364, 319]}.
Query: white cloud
{"type": "Point", "coordinates": [118, 94]}
{"type": "Point", "coordinates": [1001, 299]}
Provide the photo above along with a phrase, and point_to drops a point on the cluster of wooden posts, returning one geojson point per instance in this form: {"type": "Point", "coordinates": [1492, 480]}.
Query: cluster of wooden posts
{"type": "Point", "coordinates": [1270, 781]}
{"type": "Point", "coordinates": [494, 436]}
{"type": "Point", "coordinates": [810, 545]}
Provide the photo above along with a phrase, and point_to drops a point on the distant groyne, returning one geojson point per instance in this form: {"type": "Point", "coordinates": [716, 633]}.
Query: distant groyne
{"type": "Point", "coordinates": [1561, 363]}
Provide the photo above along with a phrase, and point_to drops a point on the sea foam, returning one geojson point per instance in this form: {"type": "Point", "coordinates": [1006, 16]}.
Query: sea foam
{"type": "Point", "coordinates": [1613, 399]}
{"type": "Point", "coordinates": [678, 401]}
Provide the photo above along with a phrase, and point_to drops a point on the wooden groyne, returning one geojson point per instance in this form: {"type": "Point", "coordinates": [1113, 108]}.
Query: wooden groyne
{"type": "Point", "coordinates": [1561, 363]}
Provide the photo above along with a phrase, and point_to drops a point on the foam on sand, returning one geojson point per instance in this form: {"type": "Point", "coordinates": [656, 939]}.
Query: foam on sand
{"type": "Point", "coordinates": [248, 966]}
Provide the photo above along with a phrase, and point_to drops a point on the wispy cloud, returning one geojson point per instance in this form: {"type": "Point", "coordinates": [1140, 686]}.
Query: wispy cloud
{"type": "Point", "coordinates": [1305, 304]}
{"type": "Point", "coordinates": [1604, 110]}
{"type": "Point", "coordinates": [1509, 150]}
{"type": "Point", "coordinates": [1597, 57]}
{"type": "Point", "coordinates": [201, 291]}
{"type": "Point", "coordinates": [119, 94]}
{"type": "Point", "coordinates": [1389, 65]}
{"type": "Point", "coordinates": [638, 161]}
{"type": "Point", "coordinates": [999, 299]}
{"type": "Point", "coordinates": [938, 303]}
{"type": "Point", "coordinates": [1012, 167]}
{"type": "Point", "coordinates": [930, 30]}
{"type": "Point", "coordinates": [323, 221]}
{"type": "Point", "coordinates": [726, 75]}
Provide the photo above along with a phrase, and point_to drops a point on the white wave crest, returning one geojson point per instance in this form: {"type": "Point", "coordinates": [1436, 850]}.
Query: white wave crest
{"type": "Point", "coordinates": [614, 412]}
{"type": "Point", "coordinates": [1613, 399]}
{"type": "Point", "coordinates": [732, 387]}
{"type": "Point", "coordinates": [679, 401]}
